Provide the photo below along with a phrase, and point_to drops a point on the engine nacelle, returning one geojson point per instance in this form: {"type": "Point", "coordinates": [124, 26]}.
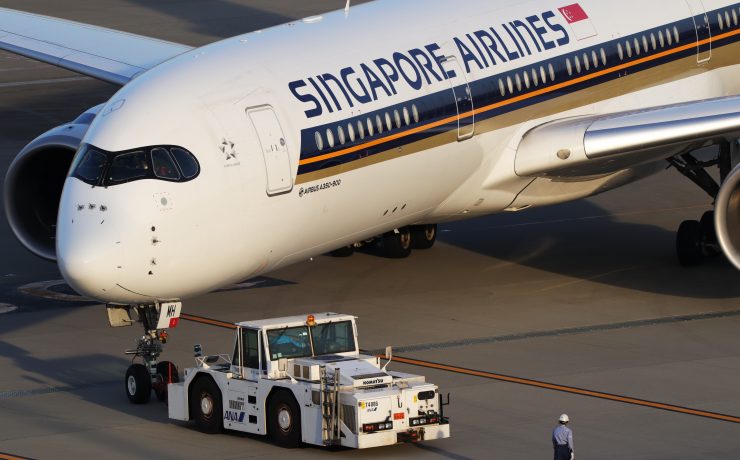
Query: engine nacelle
{"type": "Point", "coordinates": [727, 216]}
{"type": "Point", "coordinates": [34, 182]}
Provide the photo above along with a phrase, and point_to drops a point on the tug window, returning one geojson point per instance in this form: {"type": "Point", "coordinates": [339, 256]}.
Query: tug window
{"type": "Point", "coordinates": [164, 165]}
{"type": "Point", "coordinates": [129, 166]}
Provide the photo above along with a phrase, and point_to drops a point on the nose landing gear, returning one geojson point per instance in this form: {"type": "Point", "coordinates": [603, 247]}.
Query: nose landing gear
{"type": "Point", "coordinates": [149, 374]}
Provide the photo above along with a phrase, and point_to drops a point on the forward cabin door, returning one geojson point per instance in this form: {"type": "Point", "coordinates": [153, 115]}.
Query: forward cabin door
{"type": "Point", "coordinates": [274, 149]}
{"type": "Point", "coordinates": [703, 31]}
{"type": "Point", "coordinates": [463, 98]}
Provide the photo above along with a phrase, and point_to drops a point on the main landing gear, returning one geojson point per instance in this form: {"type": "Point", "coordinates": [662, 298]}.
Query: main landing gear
{"type": "Point", "coordinates": [697, 239]}
{"type": "Point", "coordinates": [396, 244]}
{"type": "Point", "coordinates": [149, 374]}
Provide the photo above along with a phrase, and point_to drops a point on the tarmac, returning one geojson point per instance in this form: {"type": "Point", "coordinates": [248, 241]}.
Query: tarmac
{"type": "Point", "coordinates": [579, 308]}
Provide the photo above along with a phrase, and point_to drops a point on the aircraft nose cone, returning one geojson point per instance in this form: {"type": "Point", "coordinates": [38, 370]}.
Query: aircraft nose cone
{"type": "Point", "coordinates": [87, 268]}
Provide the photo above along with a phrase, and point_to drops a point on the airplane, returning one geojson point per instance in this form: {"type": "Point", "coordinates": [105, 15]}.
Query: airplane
{"type": "Point", "coordinates": [216, 164]}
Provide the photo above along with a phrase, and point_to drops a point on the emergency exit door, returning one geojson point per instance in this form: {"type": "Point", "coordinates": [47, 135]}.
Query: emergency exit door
{"type": "Point", "coordinates": [274, 149]}
{"type": "Point", "coordinates": [703, 30]}
{"type": "Point", "coordinates": [463, 98]}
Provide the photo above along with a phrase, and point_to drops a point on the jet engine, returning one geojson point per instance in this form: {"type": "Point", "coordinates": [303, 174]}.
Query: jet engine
{"type": "Point", "coordinates": [727, 216]}
{"type": "Point", "coordinates": [34, 182]}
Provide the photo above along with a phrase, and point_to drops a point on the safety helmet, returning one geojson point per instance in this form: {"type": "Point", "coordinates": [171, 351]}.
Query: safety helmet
{"type": "Point", "coordinates": [564, 418]}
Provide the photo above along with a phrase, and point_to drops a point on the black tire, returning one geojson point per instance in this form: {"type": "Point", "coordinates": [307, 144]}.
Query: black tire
{"type": "Point", "coordinates": [396, 245]}
{"type": "Point", "coordinates": [284, 420]}
{"type": "Point", "coordinates": [205, 406]}
{"type": "Point", "coordinates": [690, 243]}
{"type": "Point", "coordinates": [346, 251]}
{"type": "Point", "coordinates": [167, 373]}
{"type": "Point", "coordinates": [423, 236]}
{"type": "Point", "coordinates": [138, 384]}
{"type": "Point", "coordinates": [711, 244]}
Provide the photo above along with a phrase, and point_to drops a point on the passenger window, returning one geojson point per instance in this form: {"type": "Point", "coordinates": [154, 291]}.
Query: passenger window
{"type": "Point", "coordinates": [379, 124]}
{"type": "Point", "coordinates": [370, 127]}
{"type": "Point", "coordinates": [661, 39]}
{"type": "Point", "coordinates": [535, 79]}
{"type": "Point", "coordinates": [653, 42]}
{"type": "Point", "coordinates": [621, 51]}
{"type": "Point", "coordinates": [187, 163]}
{"type": "Point", "coordinates": [645, 44]}
{"type": "Point", "coordinates": [594, 59]}
{"type": "Point", "coordinates": [727, 18]}
{"type": "Point", "coordinates": [552, 71]}
{"type": "Point", "coordinates": [734, 17]}
{"type": "Point", "coordinates": [340, 135]}
{"type": "Point", "coordinates": [501, 87]}
{"type": "Point", "coordinates": [360, 129]}
{"type": "Point", "coordinates": [578, 64]}
{"type": "Point", "coordinates": [629, 49]}
{"type": "Point", "coordinates": [510, 84]}
{"type": "Point", "coordinates": [415, 113]}
{"type": "Point", "coordinates": [637, 46]}
{"type": "Point", "coordinates": [388, 123]}
{"type": "Point", "coordinates": [330, 137]}
{"type": "Point", "coordinates": [526, 79]}
{"type": "Point", "coordinates": [603, 56]}
{"type": "Point", "coordinates": [164, 165]}
{"type": "Point", "coordinates": [586, 64]}
{"type": "Point", "coordinates": [128, 166]}
{"type": "Point", "coordinates": [518, 82]}
{"type": "Point", "coordinates": [676, 35]}
{"type": "Point", "coordinates": [319, 141]}
{"type": "Point", "coordinates": [397, 117]}
{"type": "Point", "coordinates": [91, 166]}
{"type": "Point", "coordinates": [351, 132]}
{"type": "Point", "coordinates": [543, 75]}
{"type": "Point", "coordinates": [720, 21]}
{"type": "Point", "coordinates": [669, 37]}
{"type": "Point", "coordinates": [406, 116]}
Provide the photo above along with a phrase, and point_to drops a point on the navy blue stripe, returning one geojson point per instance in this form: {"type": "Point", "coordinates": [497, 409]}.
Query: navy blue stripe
{"type": "Point", "coordinates": [486, 90]}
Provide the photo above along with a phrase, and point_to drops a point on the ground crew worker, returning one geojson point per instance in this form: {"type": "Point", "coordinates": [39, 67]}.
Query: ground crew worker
{"type": "Point", "coordinates": [562, 439]}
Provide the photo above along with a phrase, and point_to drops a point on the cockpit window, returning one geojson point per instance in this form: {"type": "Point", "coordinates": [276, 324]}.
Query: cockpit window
{"type": "Point", "coordinates": [164, 166]}
{"type": "Point", "coordinates": [97, 167]}
{"type": "Point", "coordinates": [91, 166]}
{"type": "Point", "coordinates": [188, 164]}
{"type": "Point", "coordinates": [128, 166]}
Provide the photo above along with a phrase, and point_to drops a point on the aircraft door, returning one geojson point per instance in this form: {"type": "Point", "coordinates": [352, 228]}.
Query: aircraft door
{"type": "Point", "coordinates": [703, 30]}
{"type": "Point", "coordinates": [463, 98]}
{"type": "Point", "coordinates": [274, 149]}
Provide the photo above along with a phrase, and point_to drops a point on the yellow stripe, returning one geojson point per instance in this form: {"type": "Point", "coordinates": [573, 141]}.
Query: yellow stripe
{"type": "Point", "coordinates": [12, 457]}
{"type": "Point", "coordinates": [516, 99]}
{"type": "Point", "coordinates": [567, 389]}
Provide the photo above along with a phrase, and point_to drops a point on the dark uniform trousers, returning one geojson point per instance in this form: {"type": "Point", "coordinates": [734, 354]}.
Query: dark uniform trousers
{"type": "Point", "coordinates": [562, 452]}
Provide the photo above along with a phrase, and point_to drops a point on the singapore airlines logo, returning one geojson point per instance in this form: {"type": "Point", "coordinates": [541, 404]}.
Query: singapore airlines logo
{"type": "Point", "coordinates": [228, 148]}
{"type": "Point", "coordinates": [573, 13]}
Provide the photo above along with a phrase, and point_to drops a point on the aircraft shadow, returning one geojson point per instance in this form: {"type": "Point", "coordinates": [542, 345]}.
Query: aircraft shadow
{"type": "Point", "coordinates": [582, 241]}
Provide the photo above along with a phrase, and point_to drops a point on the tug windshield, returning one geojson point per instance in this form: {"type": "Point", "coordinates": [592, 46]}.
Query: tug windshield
{"type": "Point", "coordinates": [305, 341]}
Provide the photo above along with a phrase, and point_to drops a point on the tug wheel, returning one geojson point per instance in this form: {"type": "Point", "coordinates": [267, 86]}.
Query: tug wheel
{"type": "Point", "coordinates": [205, 406]}
{"type": "Point", "coordinates": [167, 373]}
{"type": "Point", "coordinates": [138, 384]}
{"type": "Point", "coordinates": [284, 420]}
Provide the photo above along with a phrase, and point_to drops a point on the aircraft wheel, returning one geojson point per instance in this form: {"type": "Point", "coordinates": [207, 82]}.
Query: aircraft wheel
{"type": "Point", "coordinates": [690, 243]}
{"type": "Point", "coordinates": [167, 374]}
{"type": "Point", "coordinates": [138, 384]}
{"type": "Point", "coordinates": [397, 244]}
{"type": "Point", "coordinates": [205, 406]}
{"type": "Point", "coordinates": [284, 420]}
{"type": "Point", "coordinates": [711, 246]}
{"type": "Point", "coordinates": [423, 236]}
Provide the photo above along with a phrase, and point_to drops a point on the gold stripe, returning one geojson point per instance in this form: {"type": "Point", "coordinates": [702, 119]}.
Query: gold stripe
{"type": "Point", "coordinates": [672, 71]}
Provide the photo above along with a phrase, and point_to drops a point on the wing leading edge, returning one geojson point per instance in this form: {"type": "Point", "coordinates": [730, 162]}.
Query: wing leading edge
{"type": "Point", "coordinates": [595, 145]}
{"type": "Point", "coordinates": [106, 54]}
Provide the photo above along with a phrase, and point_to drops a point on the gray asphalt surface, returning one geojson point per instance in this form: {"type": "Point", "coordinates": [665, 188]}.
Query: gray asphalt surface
{"type": "Point", "coordinates": [585, 294]}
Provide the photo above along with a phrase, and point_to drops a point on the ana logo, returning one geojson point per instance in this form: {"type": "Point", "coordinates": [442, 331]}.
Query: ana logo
{"type": "Point", "coordinates": [234, 416]}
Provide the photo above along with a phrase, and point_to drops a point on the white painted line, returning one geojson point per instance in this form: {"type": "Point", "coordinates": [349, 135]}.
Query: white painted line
{"type": "Point", "coordinates": [7, 308]}
{"type": "Point", "coordinates": [15, 84]}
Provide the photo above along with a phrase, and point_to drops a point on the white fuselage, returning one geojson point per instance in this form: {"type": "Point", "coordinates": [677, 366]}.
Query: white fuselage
{"type": "Point", "coordinates": [293, 161]}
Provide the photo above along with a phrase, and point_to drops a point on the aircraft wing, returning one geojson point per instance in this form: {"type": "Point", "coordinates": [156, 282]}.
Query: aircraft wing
{"type": "Point", "coordinates": [105, 54]}
{"type": "Point", "coordinates": [595, 145]}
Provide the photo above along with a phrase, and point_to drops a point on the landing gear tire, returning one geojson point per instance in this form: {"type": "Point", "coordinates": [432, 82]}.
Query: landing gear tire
{"type": "Point", "coordinates": [690, 243]}
{"type": "Point", "coordinates": [206, 407]}
{"type": "Point", "coordinates": [711, 244]}
{"type": "Point", "coordinates": [138, 384]}
{"type": "Point", "coordinates": [423, 236]}
{"type": "Point", "coordinates": [396, 244]}
{"type": "Point", "coordinates": [346, 251]}
{"type": "Point", "coordinates": [166, 373]}
{"type": "Point", "coordinates": [284, 420]}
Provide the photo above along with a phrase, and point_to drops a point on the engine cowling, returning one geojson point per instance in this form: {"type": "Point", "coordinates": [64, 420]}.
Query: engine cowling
{"type": "Point", "coordinates": [34, 182]}
{"type": "Point", "coordinates": [727, 216]}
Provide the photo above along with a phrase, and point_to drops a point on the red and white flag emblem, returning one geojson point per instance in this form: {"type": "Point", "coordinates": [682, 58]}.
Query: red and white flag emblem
{"type": "Point", "coordinates": [573, 13]}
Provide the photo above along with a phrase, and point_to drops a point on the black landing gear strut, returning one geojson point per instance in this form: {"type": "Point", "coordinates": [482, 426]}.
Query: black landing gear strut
{"type": "Point", "coordinates": [697, 239]}
{"type": "Point", "coordinates": [150, 373]}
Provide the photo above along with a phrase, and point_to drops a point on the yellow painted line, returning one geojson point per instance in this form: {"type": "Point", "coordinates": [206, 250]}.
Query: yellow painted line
{"type": "Point", "coordinates": [568, 389]}
{"type": "Point", "coordinates": [12, 457]}
{"type": "Point", "coordinates": [516, 99]}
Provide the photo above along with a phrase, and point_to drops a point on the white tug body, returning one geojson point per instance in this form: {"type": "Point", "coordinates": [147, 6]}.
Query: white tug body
{"type": "Point", "coordinates": [303, 379]}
